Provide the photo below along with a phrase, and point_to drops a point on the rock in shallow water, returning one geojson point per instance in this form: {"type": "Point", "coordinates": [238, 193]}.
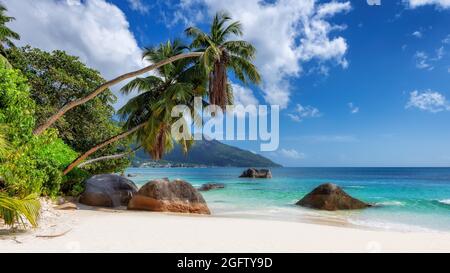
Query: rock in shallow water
{"type": "Point", "coordinates": [331, 197]}
{"type": "Point", "coordinates": [254, 173]}
{"type": "Point", "coordinates": [165, 196]}
{"type": "Point", "coordinates": [108, 190]}
{"type": "Point", "coordinates": [211, 186]}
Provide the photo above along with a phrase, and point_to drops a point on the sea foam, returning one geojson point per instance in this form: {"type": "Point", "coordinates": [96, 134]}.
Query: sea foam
{"type": "Point", "coordinates": [444, 201]}
{"type": "Point", "coordinates": [390, 203]}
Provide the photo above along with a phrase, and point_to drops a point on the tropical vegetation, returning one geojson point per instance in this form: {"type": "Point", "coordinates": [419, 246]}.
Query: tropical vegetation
{"type": "Point", "coordinates": [13, 209]}
{"type": "Point", "coordinates": [56, 113]}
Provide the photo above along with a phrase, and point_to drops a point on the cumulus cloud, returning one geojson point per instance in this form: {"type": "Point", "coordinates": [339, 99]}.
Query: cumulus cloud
{"type": "Point", "coordinates": [303, 112]}
{"type": "Point", "coordinates": [95, 30]}
{"type": "Point", "coordinates": [291, 154]}
{"type": "Point", "coordinates": [353, 108]}
{"type": "Point", "coordinates": [418, 3]}
{"type": "Point", "coordinates": [285, 33]}
{"type": "Point", "coordinates": [430, 101]}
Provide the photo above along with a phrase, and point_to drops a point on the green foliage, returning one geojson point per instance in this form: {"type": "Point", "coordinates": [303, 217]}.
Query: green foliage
{"type": "Point", "coordinates": [57, 78]}
{"type": "Point", "coordinates": [35, 167]}
{"type": "Point", "coordinates": [180, 81]}
{"type": "Point", "coordinates": [12, 209]}
{"type": "Point", "coordinates": [4, 62]}
{"type": "Point", "coordinates": [16, 107]}
{"type": "Point", "coordinates": [33, 163]}
{"type": "Point", "coordinates": [5, 147]}
{"type": "Point", "coordinates": [222, 54]}
{"type": "Point", "coordinates": [73, 183]}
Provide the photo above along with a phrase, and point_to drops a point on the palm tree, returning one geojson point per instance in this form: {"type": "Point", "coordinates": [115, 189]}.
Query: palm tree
{"type": "Point", "coordinates": [49, 122]}
{"type": "Point", "coordinates": [148, 115]}
{"type": "Point", "coordinates": [12, 209]}
{"type": "Point", "coordinates": [179, 83]}
{"type": "Point", "coordinates": [6, 34]}
{"type": "Point", "coordinates": [222, 54]}
{"type": "Point", "coordinates": [216, 53]}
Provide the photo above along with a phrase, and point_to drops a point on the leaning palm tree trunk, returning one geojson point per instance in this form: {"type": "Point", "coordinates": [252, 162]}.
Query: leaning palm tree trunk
{"type": "Point", "coordinates": [108, 84]}
{"type": "Point", "coordinates": [108, 157]}
{"type": "Point", "coordinates": [115, 138]}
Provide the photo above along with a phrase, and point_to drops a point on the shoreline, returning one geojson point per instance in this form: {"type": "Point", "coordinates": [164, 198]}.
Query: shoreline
{"type": "Point", "coordinates": [117, 230]}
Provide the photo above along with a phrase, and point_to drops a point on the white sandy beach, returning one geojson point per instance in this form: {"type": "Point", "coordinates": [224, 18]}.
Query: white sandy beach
{"type": "Point", "coordinates": [87, 230]}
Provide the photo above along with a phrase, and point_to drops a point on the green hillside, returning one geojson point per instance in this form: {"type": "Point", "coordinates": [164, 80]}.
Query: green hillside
{"type": "Point", "coordinates": [211, 153]}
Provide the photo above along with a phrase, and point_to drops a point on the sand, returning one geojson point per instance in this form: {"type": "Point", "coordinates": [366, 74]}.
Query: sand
{"type": "Point", "coordinates": [88, 230]}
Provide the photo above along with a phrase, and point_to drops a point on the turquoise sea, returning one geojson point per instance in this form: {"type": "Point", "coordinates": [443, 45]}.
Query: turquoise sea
{"type": "Point", "coordinates": [407, 199]}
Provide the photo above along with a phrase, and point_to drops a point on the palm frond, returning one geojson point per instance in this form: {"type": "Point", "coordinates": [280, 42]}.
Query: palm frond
{"type": "Point", "coordinates": [6, 34]}
{"type": "Point", "coordinates": [141, 84]}
{"type": "Point", "coordinates": [13, 209]}
{"type": "Point", "coordinates": [233, 28]}
{"type": "Point", "coordinates": [240, 48]}
{"type": "Point", "coordinates": [245, 70]}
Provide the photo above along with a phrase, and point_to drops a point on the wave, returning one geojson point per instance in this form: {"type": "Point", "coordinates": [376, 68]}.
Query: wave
{"type": "Point", "coordinates": [390, 203]}
{"type": "Point", "coordinates": [390, 226]}
{"type": "Point", "coordinates": [444, 201]}
{"type": "Point", "coordinates": [354, 187]}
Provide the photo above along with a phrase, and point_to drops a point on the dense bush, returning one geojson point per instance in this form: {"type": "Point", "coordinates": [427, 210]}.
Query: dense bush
{"type": "Point", "coordinates": [34, 163]}
{"type": "Point", "coordinates": [55, 78]}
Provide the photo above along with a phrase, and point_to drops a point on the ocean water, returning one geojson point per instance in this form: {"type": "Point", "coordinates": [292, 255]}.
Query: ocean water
{"type": "Point", "coordinates": [407, 199]}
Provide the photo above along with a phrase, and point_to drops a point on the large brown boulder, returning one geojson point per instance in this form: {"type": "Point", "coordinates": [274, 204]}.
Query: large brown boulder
{"type": "Point", "coordinates": [163, 195]}
{"type": "Point", "coordinates": [254, 173]}
{"type": "Point", "coordinates": [108, 190]}
{"type": "Point", "coordinates": [330, 197]}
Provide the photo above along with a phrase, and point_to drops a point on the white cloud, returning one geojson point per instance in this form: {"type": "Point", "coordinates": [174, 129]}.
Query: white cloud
{"type": "Point", "coordinates": [418, 3]}
{"type": "Point", "coordinates": [302, 112]}
{"type": "Point", "coordinates": [422, 61]}
{"type": "Point", "coordinates": [243, 96]}
{"type": "Point", "coordinates": [95, 30]}
{"type": "Point", "coordinates": [417, 34]}
{"type": "Point", "coordinates": [285, 33]}
{"type": "Point", "coordinates": [353, 108]}
{"type": "Point", "coordinates": [440, 52]}
{"type": "Point", "coordinates": [446, 40]}
{"type": "Point", "coordinates": [291, 154]}
{"type": "Point", "coordinates": [139, 6]}
{"type": "Point", "coordinates": [429, 100]}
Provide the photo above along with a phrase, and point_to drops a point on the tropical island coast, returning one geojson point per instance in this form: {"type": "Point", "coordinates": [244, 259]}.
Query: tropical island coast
{"type": "Point", "coordinates": [91, 230]}
{"type": "Point", "coordinates": [111, 144]}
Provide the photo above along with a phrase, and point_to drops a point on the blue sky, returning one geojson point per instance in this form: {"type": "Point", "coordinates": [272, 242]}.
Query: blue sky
{"type": "Point", "coordinates": [359, 85]}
